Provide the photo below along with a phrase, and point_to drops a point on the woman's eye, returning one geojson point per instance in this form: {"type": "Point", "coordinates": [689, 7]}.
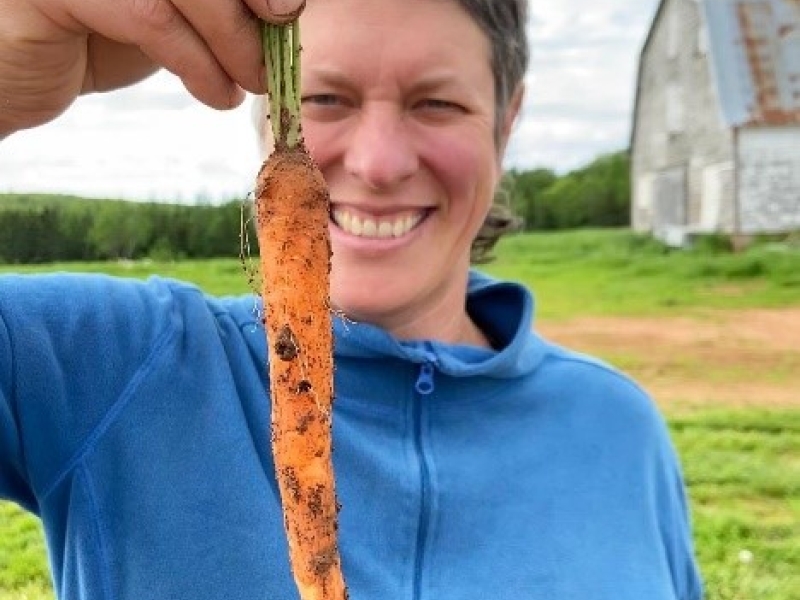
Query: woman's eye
{"type": "Point", "coordinates": [322, 99]}
{"type": "Point", "coordinates": [325, 107]}
{"type": "Point", "coordinates": [438, 104]}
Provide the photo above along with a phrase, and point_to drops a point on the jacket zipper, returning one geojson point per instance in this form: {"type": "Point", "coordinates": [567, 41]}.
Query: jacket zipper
{"type": "Point", "coordinates": [423, 386]}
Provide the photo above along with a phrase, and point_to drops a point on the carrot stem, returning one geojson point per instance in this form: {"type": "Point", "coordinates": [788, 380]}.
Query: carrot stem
{"type": "Point", "coordinates": [281, 45]}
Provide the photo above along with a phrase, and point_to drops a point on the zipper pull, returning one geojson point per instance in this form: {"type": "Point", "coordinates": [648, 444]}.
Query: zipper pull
{"type": "Point", "coordinates": [424, 384]}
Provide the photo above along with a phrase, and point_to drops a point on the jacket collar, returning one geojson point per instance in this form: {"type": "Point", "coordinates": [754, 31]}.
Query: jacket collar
{"type": "Point", "coordinates": [504, 310]}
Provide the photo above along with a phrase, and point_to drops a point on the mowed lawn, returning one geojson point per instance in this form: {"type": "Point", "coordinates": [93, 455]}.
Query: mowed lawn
{"type": "Point", "coordinates": [742, 464]}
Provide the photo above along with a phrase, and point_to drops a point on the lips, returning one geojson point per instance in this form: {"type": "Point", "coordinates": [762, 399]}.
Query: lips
{"type": "Point", "coordinates": [374, 227]}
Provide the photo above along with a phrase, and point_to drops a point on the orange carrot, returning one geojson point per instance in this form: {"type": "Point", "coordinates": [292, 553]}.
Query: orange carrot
{"type": "Point", "coordinates": [292, 205]}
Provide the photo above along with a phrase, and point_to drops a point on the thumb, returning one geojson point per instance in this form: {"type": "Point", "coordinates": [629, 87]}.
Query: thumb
{"type": "Point", "coordinates": [277, 11]}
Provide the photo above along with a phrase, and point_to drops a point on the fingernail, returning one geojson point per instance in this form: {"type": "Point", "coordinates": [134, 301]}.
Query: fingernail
{"type": "Point", "coordinates": [286, 9]}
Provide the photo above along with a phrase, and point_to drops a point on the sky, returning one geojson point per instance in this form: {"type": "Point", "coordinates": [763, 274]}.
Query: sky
{"type": "Point", "coordinates": [153, 141]}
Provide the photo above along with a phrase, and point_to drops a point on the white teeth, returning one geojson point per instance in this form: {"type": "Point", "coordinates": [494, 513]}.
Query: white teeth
{"type": "Point", "coordinates": [355, 225]}
{"type": "Point", "coordinates": [369, 228]}
{"type": "Point", "coordinates": [399, 227]}
{"type": "Point", "coordinates": [385, 230]}
{"type": "Point", "coordinates": [375, 228]}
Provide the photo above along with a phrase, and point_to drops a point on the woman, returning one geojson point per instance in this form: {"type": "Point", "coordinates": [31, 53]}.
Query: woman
{"type": "Point", "coordinates": [474, 459]}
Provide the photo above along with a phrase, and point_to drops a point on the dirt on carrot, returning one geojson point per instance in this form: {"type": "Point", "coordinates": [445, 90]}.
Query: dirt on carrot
{"type": "Point", "coordinates": [292, 207]}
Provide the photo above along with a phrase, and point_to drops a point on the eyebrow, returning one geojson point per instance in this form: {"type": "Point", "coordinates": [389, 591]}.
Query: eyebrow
{"type": "Point", "coordinates": [428, 82]}
{"type": "Point", "coordinates": [437, 80]}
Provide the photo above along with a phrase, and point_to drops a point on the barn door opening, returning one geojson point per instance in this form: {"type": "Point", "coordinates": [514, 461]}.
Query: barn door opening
{"type": "Point", "coordinates": [669, 205]}
{"type": "Point", "coordinates": [717, 197]}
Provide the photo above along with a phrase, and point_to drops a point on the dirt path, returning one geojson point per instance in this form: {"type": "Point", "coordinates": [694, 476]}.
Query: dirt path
{"type": "Point", "coordinates": [747, 357]}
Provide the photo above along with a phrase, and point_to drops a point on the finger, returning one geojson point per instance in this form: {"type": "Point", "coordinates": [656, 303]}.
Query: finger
{"type": "Point", "coordinates": [162, 33]}
{"type": "Point", "coordinates": [111, 65]}
{"type": "Point", "coordinates": [277, 11]}
{"type": "Point", "coordinates": [231, 31]}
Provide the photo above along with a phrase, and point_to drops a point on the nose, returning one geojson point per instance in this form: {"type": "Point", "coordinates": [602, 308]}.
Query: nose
{"type": "Point", "coordinates": [381, 152]}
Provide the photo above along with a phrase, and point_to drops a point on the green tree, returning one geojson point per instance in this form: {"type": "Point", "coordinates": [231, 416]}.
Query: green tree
{"type": "Point", "coordinates": [526, 197]}
{"type": "Point", "coordinates": [596, 195]}
{"type": "Point", "coordinates": [120, 230]}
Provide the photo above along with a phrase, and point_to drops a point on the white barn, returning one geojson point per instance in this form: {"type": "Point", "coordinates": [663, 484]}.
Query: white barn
{"type": "Point", "coordinates": [715, 143]}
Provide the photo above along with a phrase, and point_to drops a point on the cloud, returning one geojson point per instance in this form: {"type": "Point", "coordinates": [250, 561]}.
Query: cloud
{"type": "Point", "coordinates": [169, 147]}
{"type": "Point", "coordinates": [580, 87]}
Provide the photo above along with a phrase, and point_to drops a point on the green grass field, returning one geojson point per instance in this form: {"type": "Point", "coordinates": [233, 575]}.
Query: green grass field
{"type": "Point", "coordinates": [595, 272]}
{"type": "Point", "coordinates": [742, 464]}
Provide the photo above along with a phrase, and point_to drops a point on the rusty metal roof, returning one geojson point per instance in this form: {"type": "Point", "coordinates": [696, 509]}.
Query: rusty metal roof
{"type": "Point", "coordinates": [754, 46]}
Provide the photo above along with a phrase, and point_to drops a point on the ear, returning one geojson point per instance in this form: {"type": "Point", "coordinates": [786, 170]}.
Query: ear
{"type": "Point", "coordinates": [511, 114]}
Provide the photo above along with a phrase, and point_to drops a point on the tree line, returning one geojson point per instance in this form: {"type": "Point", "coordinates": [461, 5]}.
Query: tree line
{"type": "Point", "coordinates": [36, 228]}
{"type": "Point", "coordinates": [41, 228]}
{"type": "Point", "coordinates": [596, 195]}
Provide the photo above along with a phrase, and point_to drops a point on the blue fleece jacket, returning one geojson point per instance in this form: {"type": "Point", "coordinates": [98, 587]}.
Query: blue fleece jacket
{"type": "Point", "coordinates": [134, 421]}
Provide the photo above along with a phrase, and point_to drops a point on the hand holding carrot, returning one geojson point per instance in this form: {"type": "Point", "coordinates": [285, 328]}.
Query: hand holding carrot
{"type": "Point", "coordinates": [51, 51]}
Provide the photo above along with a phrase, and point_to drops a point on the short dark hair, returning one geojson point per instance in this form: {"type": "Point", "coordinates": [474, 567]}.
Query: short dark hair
{"type": "Point", "coordinates": [504, 24]}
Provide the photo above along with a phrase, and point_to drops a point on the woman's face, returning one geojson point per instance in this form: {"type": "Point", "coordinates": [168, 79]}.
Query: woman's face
{"type": "Point", "coordinates": [398, 112]}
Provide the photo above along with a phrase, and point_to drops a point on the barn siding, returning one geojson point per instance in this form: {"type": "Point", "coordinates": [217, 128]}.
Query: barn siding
{"type": "Point", "coordinates": [769, 179]}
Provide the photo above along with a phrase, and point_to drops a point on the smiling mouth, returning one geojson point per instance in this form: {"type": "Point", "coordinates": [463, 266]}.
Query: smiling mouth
{"type": "Point", "coordinates": [385, 227]}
